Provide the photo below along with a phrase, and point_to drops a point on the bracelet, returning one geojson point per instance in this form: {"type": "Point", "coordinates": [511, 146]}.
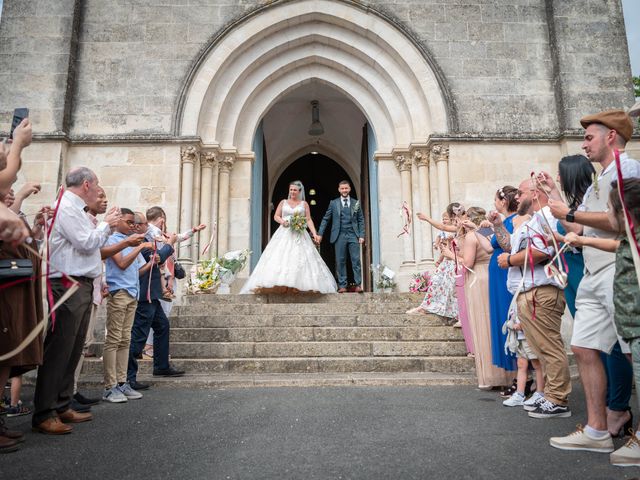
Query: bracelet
{"type": "Point", "coordinates": [509, 260]}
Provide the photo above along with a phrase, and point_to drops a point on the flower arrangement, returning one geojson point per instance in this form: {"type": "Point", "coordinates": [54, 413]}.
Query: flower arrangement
{"type": "Point", "coordinates": [383, 277]}
{"type": "Point", "coordinates": [204, 277]}
{"type": "Point", "coordinates": [420, 282]}
{"type": "Point", "coordinates": [298, 222]}
{"type": "Point", "coordinates": [207, 275]}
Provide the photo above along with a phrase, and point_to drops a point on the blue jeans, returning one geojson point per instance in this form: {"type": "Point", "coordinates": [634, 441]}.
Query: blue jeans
{"type": "Point", "coordinates": [149, 315]}
{"type": "Point", "coordinates": [619, 379]}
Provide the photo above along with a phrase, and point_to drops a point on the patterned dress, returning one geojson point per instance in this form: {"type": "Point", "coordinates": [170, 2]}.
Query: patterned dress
{"type": "Point", "coordinates": [440, 298]}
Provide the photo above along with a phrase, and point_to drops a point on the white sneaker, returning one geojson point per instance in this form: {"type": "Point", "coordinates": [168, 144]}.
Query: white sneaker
{"type": "Point", "coordinates": [627, 455]}
{"type": "Point", "coordinates": [515, 400]}
{"type": "Point", "coordinates": [579, 440]}
{"type": "Point", "coordinates": [129, 392]}
{"type": "Point", "coordinates": [114, 395]}
{"type": "Point", "coordinates": [533, 402]}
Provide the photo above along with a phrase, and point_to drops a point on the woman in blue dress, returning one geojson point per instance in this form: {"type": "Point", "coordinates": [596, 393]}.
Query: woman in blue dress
{"type": "Point", "coordinates": [499, 296]}
{"type": "Point", "coordinates": [575, 175]}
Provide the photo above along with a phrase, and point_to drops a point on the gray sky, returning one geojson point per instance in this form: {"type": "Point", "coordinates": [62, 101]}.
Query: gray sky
{"type": "Point", "coordinates": [631, 9]}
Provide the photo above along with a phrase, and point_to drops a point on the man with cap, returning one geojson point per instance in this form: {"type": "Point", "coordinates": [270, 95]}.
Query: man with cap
{"type": "Point", "coordinates": [594, 330]}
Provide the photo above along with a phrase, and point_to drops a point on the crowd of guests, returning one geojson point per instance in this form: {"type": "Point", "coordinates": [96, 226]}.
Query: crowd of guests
{"type": "Point", "coordinates": [127, 260]}
{"type": "Point", "coordinates": [507, 277]}
{"type": "Point", "coordinates": [504, 277]}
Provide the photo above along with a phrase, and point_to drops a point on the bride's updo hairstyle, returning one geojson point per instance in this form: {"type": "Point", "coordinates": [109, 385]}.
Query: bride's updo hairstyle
{"type": "Point", "coordinates": [300, 187]}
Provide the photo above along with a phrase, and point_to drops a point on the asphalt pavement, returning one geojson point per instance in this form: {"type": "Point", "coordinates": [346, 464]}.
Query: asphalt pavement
{"type": "Point", "coordinates": [452, 432]}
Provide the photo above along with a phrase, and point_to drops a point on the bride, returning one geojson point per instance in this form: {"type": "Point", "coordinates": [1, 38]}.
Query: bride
{"type": "Point", "coordinates": [290, 262]}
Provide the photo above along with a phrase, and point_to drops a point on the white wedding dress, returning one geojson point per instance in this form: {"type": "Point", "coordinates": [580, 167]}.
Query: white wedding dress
{"type": "Point", "coordinates": [290, 260]}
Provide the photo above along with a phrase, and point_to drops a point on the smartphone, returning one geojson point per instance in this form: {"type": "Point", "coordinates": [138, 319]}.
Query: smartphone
{"type": "Point", "coordinates": [19, 114]}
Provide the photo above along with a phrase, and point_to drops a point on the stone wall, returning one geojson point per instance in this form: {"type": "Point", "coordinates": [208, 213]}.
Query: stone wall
{"type": "Point", "coordinates": [496, 57]}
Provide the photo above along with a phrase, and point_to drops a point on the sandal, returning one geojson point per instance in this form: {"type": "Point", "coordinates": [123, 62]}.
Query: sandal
{"type": "Point", "coordinates": [507, 392]}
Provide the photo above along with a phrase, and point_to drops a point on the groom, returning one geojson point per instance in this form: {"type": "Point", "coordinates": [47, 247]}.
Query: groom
{"type": "Point", "coordinates": [347, 234]}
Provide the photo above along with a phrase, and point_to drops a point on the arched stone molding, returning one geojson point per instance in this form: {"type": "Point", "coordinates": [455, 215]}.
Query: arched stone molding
{"type": "Point", "coordinates": [355, 50]}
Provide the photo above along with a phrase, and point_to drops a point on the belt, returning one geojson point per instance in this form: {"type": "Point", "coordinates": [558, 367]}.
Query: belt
{"type": "Point", "coordinates": [82, 279]}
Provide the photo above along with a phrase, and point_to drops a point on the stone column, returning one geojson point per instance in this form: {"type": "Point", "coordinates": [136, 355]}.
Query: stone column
{"type": "Point", "coordinates": [440, 156]}
{"type": "Point", "coordinates": [404, 165]}
{"type": "Point", "coordinates": [225, 164]}
{"type": "Point", "coordinates": [421, 159]}
{"type": "Point", "coordinates": [188, 157]}
{"type": "Point", "coordinates": [207, 161]}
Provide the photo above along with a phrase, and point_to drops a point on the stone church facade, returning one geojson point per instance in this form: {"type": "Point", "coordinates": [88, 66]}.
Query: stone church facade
{"type": "Point", "coordinates": [203, 107]}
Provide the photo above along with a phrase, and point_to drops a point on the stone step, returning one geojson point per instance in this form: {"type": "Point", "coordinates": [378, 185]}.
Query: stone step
{"type": "Point", "coordinates": [310, 349]}
{"type": "Point", "coordinates": [280, 320]}
{"type": "Point", "coordinates": [228, 380]}
{"type": "Point", "coordinates": [303, 298]}
{"type": "Point", "coordinates": [305, 365]}
{"type": "Point", "coordinates": [293, 308]}
{"type": "Point", "coordinates": [307, 334]}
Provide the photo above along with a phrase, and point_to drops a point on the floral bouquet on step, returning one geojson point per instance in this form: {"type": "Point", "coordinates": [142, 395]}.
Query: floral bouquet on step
{"type": "Point", "coordinates": [298, 222]}
{"type": "Point", "coordinates": [231, 263]}
{"type": "Point", "coordinates": [204, 277]}
{"type": "Point", "coordinates": [383, 277]}
{"type": "Point", "coordinates": [420, 282]}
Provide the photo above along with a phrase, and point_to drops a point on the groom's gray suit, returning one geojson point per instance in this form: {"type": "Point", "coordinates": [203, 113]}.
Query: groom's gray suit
{"type": "Point", "coordinates": [347, 226]}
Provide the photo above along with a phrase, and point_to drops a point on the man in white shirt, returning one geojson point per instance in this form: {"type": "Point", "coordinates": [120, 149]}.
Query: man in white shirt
{"type": "Point", "coordinates": [593, 328]}
{"type": "Point", "coordinates": [74, 248]}
{"type": "Point", "coordinates": [540, 299]}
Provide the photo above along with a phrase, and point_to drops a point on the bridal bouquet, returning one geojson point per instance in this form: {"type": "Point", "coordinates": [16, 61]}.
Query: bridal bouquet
{"type": "Point", "coordinates": [204, 277]}
{"type": "Point", "coordinates": [420, 282]}
{"type": "Point", "coordinates": [298, 222]}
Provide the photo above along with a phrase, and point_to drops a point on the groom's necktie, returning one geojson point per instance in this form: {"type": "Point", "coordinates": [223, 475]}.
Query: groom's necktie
{"type": "Point", "coordinates": [345, 204]}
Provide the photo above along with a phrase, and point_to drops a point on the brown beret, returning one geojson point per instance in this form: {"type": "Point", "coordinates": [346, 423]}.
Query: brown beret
{"type": "Point", "coordinates": [617, 120]}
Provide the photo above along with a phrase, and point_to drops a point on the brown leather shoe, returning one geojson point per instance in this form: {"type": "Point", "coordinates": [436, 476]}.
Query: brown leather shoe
{"type": "Point", "coordinates": [8, 445]}
{"type": "Point", "coordinates": [11, 434]}
{"type": "Point", "coordinates": [71, 416]}
{"type": "Point", "coordinates": [53, 426]}
{"type": "Point", "coordinates": [342, 290]}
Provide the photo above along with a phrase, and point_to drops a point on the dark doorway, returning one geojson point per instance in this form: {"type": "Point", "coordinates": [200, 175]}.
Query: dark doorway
{"type": "Point", "coordinates": [321, 175]}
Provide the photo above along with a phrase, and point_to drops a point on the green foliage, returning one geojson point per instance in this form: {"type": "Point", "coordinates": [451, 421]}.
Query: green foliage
{"type": "Point", "coordinates": [636, 86]}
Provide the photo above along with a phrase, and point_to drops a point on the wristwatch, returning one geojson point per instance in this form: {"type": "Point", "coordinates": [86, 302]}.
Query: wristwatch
{"type": "Point", "coordinates": [571, 216]}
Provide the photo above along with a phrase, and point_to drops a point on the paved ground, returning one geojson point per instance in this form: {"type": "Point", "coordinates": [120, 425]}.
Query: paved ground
{"type": "Point", "coordinates": [310, 433]}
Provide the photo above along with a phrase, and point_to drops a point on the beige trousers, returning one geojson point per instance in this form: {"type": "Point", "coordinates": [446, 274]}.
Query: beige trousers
{"type": "Point", "coordinates": [543, 335]}
{"type": "Point", "coordinates": [121, 310]}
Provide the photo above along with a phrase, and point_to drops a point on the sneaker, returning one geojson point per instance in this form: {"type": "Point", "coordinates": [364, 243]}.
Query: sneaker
{"type": "Point", "coordinates": [114, 395]}
{"type": "Point", "coordinates": [129, 392]}
{"type": "Point", "coordinates": [627, 455]}
{"type": "Point", "coordinates": [579, 440]}
{"type": "Point", "coordinates": [17, 410]}
{"type": "Point", "coordinates": [533, 402]}
{"type": "Point", "coordinates": [549, 409]}
{"type": "Point", "coordinates": [515, 400]}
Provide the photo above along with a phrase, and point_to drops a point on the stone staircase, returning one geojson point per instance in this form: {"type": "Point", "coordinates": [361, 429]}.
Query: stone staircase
{"type": "Point", "coordinates": [244, 340]}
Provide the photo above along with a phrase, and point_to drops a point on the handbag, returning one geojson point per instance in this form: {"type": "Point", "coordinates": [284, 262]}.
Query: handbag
{"type": "Point", "coordinates": [178, 271]}
{"type": "Point", "coordinates": [15, 268]}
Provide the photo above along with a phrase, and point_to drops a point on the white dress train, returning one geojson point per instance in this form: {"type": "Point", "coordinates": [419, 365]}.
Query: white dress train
{"type": "Point", "coordinates": [291, 260]}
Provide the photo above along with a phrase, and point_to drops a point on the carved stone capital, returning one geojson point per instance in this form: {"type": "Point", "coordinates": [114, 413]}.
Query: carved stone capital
{"type": "Point", "coordinates": [440, 153]}
{"type": "Point", "coordinates": [189, 154]}
{"type": "Point", "coordinates": [226, 163]}
{"type": "Point", "coordinates": [403, 163]}
{"type": "Point", "coordinates": [208, 159]}
{"type": "Point", "coordinates": [420, 157]}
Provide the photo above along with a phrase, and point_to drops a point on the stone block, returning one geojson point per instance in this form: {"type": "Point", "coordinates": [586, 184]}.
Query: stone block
{"type": "Point", "coordinates": [533, 33]}
{"type": "Point", "coordinates": [473, 50]}
{"type": "Point", "coordinates": [462, 13]}
{"type": "Point", "coordinates": [453, 31]}
{"type": "Point", "coordinates": [507, 51]}
{"type": "Point", "coordinates": [485, 32]}
{"type": "Point", "coordinates": [498, 12]}
{"type": "Point", "coordinates": [422, 13]}
{"type": "Point", "coordinates": [480, 67]}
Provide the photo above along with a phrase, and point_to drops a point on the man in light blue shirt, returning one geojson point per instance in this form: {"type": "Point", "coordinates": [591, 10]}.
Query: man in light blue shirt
{"type": "Point", "coordinates": [123, 272]}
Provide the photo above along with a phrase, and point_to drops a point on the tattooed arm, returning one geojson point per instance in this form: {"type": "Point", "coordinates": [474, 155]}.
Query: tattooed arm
{"type": "Point", "coordinates": [503, 237]}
